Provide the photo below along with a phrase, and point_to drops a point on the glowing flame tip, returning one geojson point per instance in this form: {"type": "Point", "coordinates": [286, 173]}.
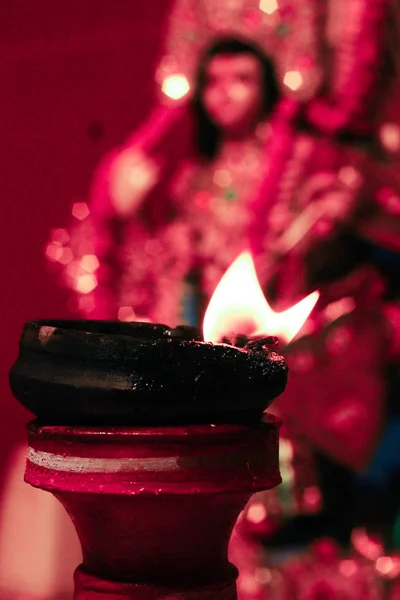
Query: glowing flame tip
{"type": "Point", "coordinates": [238, 305]}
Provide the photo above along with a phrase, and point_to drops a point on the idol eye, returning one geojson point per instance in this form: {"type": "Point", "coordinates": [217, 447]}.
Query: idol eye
{"type": "Point", "coordinates": [245, 78]}
{"type": "Point", "coordinates": [210, 81]}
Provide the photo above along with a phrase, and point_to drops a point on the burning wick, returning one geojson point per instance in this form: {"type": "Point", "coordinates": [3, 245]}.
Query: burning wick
{"type": "Point", "coordinates": [259, 342]}
{"type": "Point", "coordinates": [239, 305]}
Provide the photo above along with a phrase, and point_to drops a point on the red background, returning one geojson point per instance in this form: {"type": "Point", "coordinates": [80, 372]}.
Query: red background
{"type": "Point", "coordinates": [68, 70]}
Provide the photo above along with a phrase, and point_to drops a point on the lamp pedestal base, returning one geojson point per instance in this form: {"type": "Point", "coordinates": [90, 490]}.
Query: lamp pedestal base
{"type": "Point", "coordinates": [154, 507]}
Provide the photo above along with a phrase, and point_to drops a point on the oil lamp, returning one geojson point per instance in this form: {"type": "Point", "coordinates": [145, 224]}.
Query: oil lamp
{"type": "Point", "coordinates": [153, 439]}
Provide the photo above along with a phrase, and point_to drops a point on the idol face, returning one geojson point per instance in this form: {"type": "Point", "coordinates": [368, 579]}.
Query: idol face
{"type": "Point", "coordinates": [232, 95]}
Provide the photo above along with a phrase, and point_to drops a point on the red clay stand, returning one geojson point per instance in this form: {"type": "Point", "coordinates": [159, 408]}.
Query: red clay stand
{"type": "Point", "coordinates": [154, 507]}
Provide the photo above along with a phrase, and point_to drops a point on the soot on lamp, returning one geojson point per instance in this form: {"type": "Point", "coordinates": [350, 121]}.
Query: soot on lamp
{"type": "Point", "coordinates": [106, 372]}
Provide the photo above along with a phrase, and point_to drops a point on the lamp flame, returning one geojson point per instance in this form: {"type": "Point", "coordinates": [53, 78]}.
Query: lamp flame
{"type": "Point", "coordinates": [238, 306]}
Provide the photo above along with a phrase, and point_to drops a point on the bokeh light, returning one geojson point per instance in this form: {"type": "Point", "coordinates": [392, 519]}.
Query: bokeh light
{"type": "Point", "coordinates": [89, 263]}
{"type": "Point", "coordinates": [80, 210]}
{"type": "Point", "coordinates": [293, 80]}
{"type": "Point", "coordinates": [256, 513]}
{"type": "Point", "coordinates": [390, 136]}
{"type": "Point", "coordinates": [86, 284]}
{"type": "Point", "coordinates": [268, 6]}
{"type": "Point", "coordinates": [126, 314]}
{"type": "Point", "coordinates": [60, 236]}
{"type": "Point", "coordinates": [175, 86]}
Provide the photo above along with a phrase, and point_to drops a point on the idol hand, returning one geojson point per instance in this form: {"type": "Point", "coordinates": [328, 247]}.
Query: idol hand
{"type": "Point", "coordinates": [132, 176]}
